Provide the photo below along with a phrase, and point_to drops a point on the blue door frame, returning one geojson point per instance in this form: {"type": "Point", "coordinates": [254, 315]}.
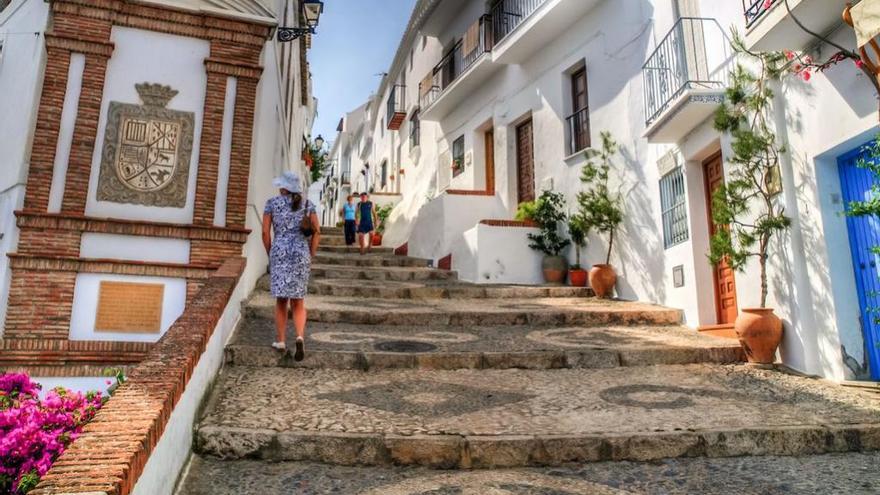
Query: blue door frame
{"type": "Point", "coordinates": [864, 234]}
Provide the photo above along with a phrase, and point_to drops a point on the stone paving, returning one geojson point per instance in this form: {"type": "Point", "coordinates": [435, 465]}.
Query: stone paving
{"type": "Point", "coordinates": [346, 346]}
{"type": "Point", "coordinates": [832, 474]}
{"type": "Point", "coordinates": [490, 418]}
{"type": "Point", "coordinates": [534, 311]}
{"type": "Point", "coordinates": [407, 366]}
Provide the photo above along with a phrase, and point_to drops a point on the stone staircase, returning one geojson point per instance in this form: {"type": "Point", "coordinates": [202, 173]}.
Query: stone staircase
{"type": "Point", "coordinates": [407, 366]}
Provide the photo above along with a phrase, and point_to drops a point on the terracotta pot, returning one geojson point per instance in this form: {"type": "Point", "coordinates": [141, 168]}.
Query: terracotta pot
{"type": "Point", "coordinates": [555, 269]}
{"type": "Point", "coordinates": [759, 332]}
{"type": "Point", "coordinates": [578, 278]}
{"type": "Point", "coordinates": [377, 240]}
{"type": "Point", "coordinates": [602, 280]}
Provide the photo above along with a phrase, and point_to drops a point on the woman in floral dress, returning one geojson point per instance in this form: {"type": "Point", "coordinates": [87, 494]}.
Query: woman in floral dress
{"type": "Point", "coordinates": [290, 256]}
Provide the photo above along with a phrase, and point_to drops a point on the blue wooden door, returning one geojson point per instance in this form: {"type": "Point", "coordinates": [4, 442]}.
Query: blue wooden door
{"type": "Point", "coordinates": [864, 235]}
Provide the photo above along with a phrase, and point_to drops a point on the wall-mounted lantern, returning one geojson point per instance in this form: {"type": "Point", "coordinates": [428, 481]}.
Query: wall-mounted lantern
{"type": "Point", "coordinates": [311, 13]}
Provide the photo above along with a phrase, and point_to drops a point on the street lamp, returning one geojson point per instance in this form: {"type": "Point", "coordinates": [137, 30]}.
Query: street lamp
{"type": "Point", "coordinates": [311, 12]}
{"type": "Point", "coordinates": [319, 142]}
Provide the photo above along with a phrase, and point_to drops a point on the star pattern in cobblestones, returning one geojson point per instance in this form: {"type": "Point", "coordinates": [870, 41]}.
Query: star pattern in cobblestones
{"type": "Point", "coordinates": [423, 398]}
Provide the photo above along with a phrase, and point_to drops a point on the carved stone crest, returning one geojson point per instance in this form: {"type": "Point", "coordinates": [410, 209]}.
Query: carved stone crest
{"type": "Point", "coordinates": [147, 150]}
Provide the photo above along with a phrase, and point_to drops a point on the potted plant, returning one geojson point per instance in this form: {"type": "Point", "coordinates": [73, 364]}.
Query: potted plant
{"type": "Point", "coordinates": [548, 214]}
{"type": "Point", "coordinates": [525, 212]}
{"type": "Point", "coordinates": [382, 212]}
{"type": "Point", "coordinates": [578, 233]}
{"type": "Point", "coordinates": [747, 204]}
{"type": "Point", "coordinates": [601, 210]}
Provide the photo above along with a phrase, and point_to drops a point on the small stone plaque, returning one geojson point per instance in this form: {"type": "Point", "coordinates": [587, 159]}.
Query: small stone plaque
{"type": "Point", "coordinates": [129, 307]}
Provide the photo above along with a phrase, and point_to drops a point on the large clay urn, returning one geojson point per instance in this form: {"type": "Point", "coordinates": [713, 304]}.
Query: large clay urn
{"type": "Point", "coordinates": [602, 280]}
{"type": "Point", "coordinates": [759, 332]}
{"type": "Point", "coordinates": [555, 269]}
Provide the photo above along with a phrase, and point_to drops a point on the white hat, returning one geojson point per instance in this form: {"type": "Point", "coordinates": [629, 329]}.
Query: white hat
{"type": "Point", "coordinates": [288, 181]}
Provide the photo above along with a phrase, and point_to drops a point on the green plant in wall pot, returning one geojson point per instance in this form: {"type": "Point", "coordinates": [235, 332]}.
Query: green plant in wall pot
{"type": "Point", "coordinates": [548, 214]}
{"type": "Point", "coordinates": [577, 230]}
{"type": "Point", "coordinates": [526, 211]}
{"type": "Point", "coordinates": [601, 210]}
{"type": "Point", "coordinates": [747, 206]}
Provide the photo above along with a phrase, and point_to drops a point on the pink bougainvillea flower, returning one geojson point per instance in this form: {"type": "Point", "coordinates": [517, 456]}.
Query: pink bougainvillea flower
{"type": "Point", "coordinates": [859, 63]}
{"type": "Point", "coordinates": [34, 432]}
{"type": "Point", "coordinates": [768, 3]}
{"type": "Point", "coordinates": [806, 75]}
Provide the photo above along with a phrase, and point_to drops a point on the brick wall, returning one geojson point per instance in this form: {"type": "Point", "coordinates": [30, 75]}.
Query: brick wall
{"type": "Point", "coordinates": [39, 304]}
{"type": "Point", "coordinates": [113, 449]}
{"type": "Point", "coordinates": [47, 260]}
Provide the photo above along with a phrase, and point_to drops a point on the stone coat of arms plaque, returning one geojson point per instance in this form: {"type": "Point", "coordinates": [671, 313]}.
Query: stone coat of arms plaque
{"type": "Point", "coordinates": [147, 150]}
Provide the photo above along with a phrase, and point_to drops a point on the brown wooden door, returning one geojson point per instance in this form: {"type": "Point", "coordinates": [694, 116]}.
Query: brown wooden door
{"type": "Point", "coordinates": [725, 279]}
{"type": "Point", "coordinates": [489, 141]}
{"type": "Point", "coordinates": [525, 162]}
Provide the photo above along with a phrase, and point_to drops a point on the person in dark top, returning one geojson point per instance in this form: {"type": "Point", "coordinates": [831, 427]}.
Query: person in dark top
{"type": "Point", "coordinates": [367, 220]}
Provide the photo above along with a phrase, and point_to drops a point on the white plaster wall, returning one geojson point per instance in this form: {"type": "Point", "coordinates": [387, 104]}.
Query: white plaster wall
{"type": "Point", "coordinates": [69, 112]}
{"type": "Point", "coordinates": [504, 256]}
{"type": "Point", "coordinates": [22, 62]}
{"type": "Point", "coordinates": [134, 248]}
{"type": "Point", "coordinates": [439, 225]}
{"type": "Point", "coordinates": [82, 384]}
{"type": "Point", "coordinates": [225, 152]}
{"type": "Point", "coordinates": [85, 306]}
{"type": "Point", "coordinates": [170, 455]}
{"type": "Point", "coordinates": [147, 56]}
{"type": "Point", "coordinates": [10, 200]}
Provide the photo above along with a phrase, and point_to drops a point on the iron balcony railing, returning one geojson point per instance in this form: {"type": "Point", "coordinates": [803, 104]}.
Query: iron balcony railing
{"type": "Point", "coordinates": [578, 125]}
{"type": "Point", "coordinates": [507, 15]}
{"type": "Point", "coordinates": [455, 63]}
{"type": "Point", "coordinates": [754, 9]}
{"type": "Point", "coordinates": [396, 110]}
{"type": "Point", "coordinates": [695, 54]}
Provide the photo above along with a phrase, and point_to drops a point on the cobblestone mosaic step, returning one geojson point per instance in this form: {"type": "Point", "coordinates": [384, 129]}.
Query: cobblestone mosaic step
{"type": "Point", "coordinates": [366, 347]}
{"type": "Point", "coordinates": [371, 260]}
{"type": "Point", "coordinates": [516, 418]}
{"type": "Point", "coordinates": [324, 248]}
{"type": "Point", "coordinates": [353, 275]}
{"type": "Point", "coordinates": [344, 287]}
{"type": "Point", "coordinates": [476, 312]}
{"type": "Point", "coordinates": [850, 473]}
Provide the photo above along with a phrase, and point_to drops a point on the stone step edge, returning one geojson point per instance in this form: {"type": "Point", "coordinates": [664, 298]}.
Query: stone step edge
{"type": "Point", "coordinates": [445, 451]}
{"type": "Point", "coordinates": [440, 292]}
{"type": "Point", "coordinates": [265, 357]}
{"type": "Point", "coordinates": [263, 309]}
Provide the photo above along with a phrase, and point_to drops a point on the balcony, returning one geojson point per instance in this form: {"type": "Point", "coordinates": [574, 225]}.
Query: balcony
{"type": "Point", "coordinates": [396, 112]}
{"type": "Point", "coordinates": [577, 129]}
{"type": "Point", "coordinates": [685, 78]}
{"type": "Point", "coordinates": [346, 178]}
{"type": "Point", "coordinates": [461, 72]}
{"type": "Point", "coordinates": [522, 27]}
{"type": "Point", "coordinates": [772, 28]}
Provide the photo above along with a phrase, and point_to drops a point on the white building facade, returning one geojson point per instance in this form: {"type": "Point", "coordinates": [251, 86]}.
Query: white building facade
{"type": "Point", "coordinates": [487, 105]}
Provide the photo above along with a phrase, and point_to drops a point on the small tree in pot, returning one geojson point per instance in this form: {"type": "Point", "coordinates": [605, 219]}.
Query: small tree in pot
{"type": "Point", "coordinates": [601, 210]}
{"type": "Point", "coordinates": [548, 214]}
{"type": "Point", "coordinates": [382, 213]}
{"type": "Point", "coordinates": [746, 206]}
{"type": "Point", "coordinates": [577, 230]}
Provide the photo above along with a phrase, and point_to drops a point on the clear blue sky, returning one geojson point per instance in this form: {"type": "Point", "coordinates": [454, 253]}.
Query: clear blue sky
{"type": "Point", "coordinates": [356, 40]}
